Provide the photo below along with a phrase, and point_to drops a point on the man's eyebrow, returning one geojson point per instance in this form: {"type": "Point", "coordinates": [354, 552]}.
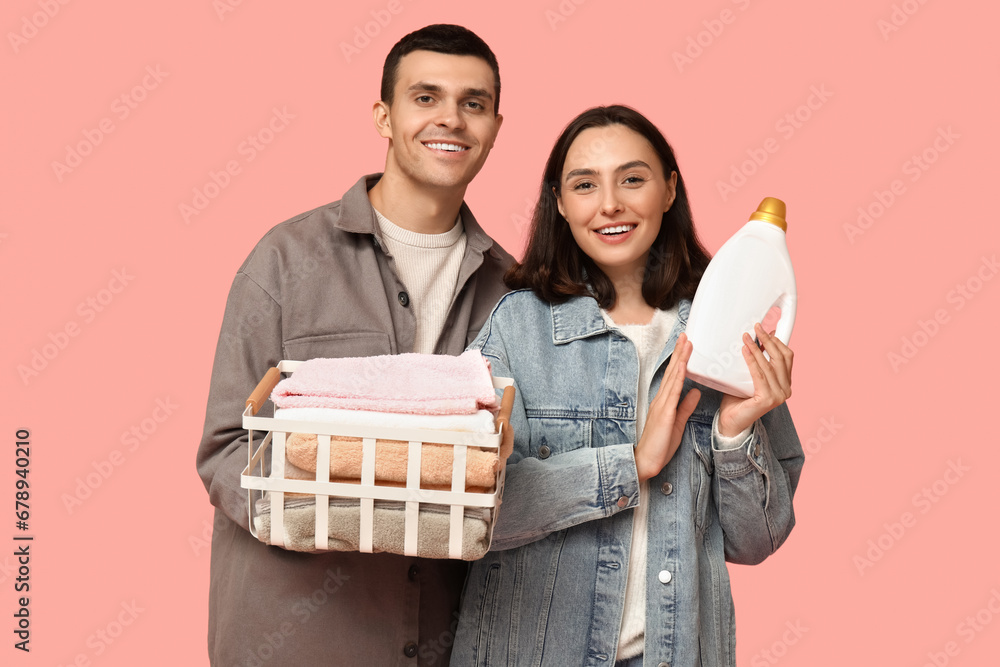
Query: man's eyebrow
{"type": "Point", "coordinates": [478, 92]}
{"type": "Point", "coordinates": [423, 85]}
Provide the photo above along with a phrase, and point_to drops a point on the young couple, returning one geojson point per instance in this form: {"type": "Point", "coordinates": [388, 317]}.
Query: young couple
{"type": "Point", "coordinates": [628, 489]}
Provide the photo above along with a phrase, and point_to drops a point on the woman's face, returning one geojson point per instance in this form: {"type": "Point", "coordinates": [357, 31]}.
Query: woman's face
{"type": "Point", "coordinates": [613, 193]}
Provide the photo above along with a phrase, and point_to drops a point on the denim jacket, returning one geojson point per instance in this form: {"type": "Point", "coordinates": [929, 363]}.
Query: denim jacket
{"type": "Point", "coordinates": [552, 588]}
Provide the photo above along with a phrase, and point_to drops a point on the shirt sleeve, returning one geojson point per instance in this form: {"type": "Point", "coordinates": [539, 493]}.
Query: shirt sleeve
{"type": "Point", "coordinates": [249, 344]}
{"type": "Point", "coordinates": [542, 496]}
{"type": "Point", "coordinates": [753, 487]}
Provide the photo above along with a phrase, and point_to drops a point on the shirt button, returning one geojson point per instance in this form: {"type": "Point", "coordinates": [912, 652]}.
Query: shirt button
{"type": "Point", "coordinates": [410, 650]}
{"type": "Point", "coordinates": [412, 574]}
{"type": "Point", "coordinates": [664, 577]}
{"type": "Point", "coordinates": [404, 299]}
{"type": "Point", "coordinates": [544, 451]}
{"type": "Point", "coordinates": [667, 488]}
{"type": "Point", "coordinates": [622, 502]}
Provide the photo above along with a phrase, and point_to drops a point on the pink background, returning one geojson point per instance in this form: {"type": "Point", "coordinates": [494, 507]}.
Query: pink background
{"type": "Point", "coordinates": [894, 559]}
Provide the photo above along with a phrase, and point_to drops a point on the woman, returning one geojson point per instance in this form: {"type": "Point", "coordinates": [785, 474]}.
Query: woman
{"type": "Point", "coordinates": [619, 512]}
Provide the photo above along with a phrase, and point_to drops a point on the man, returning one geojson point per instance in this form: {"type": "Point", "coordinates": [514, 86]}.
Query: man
{"type": "Point", "coordinates": [399, 264]}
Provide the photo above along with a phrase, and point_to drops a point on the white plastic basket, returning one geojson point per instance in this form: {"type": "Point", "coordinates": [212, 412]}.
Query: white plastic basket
{"type": "Point", "coordinates": [264, 475]}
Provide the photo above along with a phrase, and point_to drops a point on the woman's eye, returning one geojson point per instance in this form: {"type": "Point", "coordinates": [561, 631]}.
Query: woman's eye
{"type": "Point", "coordinates": [584, 185]}
{"type": "Point", "coordinates": [634, 180]}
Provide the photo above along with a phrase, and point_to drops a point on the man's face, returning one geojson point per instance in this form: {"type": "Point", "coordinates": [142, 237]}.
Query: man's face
{"type": "Point", "coordinates": [441, 125]}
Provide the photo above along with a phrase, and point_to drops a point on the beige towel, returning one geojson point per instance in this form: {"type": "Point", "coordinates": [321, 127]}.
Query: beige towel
{"type": "Point", "coordinates": [433, 528]}
{"type": "Point", "coordinates": [436, 461]}
{"type": "Point", "coordinates": [292, 471]}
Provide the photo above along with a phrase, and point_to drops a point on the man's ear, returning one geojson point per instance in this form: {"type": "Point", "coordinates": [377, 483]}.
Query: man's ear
{"type": "Point", "coordinates": [380, 114]}
{"type": "Point", "coordinates": [499, 122]}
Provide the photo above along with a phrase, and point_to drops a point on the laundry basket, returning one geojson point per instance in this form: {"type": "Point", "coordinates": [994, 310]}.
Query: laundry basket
{"type": "Point", "coordinates": [372, 515]}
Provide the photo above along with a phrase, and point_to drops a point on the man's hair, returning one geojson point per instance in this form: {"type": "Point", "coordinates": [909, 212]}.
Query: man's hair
{"type": "Point", "coordinates": [555, 267]}
{"type": "Point", "coordinates": [453, 40]}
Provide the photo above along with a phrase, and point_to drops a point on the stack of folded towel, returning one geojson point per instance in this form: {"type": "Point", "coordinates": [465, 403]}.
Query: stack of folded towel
{"type": "Point", "coordinates": [413, 391]}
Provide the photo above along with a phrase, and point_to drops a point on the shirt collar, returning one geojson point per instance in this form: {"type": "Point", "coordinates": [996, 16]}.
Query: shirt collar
{"type": "Point", "coordinates": [358, 216]}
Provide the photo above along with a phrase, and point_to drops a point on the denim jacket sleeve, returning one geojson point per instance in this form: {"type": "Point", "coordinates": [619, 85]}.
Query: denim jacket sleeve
{"type": "Point", "coordinates": [753, 487]}
{"type": "Point", "coordinates": [542, 496]}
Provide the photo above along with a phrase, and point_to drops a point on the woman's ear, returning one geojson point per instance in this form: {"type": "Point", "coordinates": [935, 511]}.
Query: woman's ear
{"type": "Point", "coordinates": [671, 191]}
{"type": "Point", "coordinates": [559, 203]}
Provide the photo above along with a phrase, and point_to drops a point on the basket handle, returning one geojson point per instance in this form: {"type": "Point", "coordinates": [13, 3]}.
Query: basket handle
{"type": "Point", "coordinates": [503, 421]}
{"type": "Point", "coordinates": [263, 389]}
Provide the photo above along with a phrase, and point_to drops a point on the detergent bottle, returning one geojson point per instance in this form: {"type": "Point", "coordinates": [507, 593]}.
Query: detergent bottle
{"type": "Point", "coordinates": [750, 275]}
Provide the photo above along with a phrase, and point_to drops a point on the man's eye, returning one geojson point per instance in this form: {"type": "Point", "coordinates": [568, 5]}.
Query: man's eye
{"type": "Point", "coordinates": [476, 105]}
{"type": "Point", "coordinates": [424, 99]}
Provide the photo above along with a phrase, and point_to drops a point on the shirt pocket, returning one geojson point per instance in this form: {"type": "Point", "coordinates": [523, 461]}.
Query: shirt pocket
{"type": "Point", "coordinates": [337, 345]}
{"type": "Point", "coordinates": [549, 435]}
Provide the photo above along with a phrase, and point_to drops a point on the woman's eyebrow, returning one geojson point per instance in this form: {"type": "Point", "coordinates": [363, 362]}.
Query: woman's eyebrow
{"type": "Point", "coordinates": [586, 171]}
{"type": "Point", "coordinates": [632, 165]}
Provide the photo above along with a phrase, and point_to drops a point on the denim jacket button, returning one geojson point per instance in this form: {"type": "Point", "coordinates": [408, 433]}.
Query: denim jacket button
{"type": "Point", "coordinates": [544, 451]}
{"type": "Point", "coordinates": [667, 488]}
{"type": "Point", "coordinates": [622, 502]}
{"type": "Point", "coordinates": [664, 577]}
{"type": "Point", "coordinates": [756, 449]}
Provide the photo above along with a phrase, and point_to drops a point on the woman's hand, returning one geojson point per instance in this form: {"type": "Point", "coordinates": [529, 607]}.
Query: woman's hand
{"type": "Point", "coordinates": [661, 436]}
{"type": "Point", "coordinates": [772, 383]}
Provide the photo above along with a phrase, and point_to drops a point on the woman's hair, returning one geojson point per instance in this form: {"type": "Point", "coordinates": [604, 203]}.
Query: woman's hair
{"type": "Point", "coordinates": [555, 268]}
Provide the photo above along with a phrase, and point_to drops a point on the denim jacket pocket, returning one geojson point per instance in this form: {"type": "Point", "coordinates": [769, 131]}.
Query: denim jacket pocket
{"type": "Point", "coordinates": [700, 434]}
{"type": "Point", "coordinates": [549, 435]}
{"type": "Point", "coordinates": [488, 614]}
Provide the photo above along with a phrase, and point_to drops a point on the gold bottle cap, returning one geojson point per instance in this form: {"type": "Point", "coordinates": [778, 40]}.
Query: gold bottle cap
{"type": "Point", "coordinates": [771, 210]}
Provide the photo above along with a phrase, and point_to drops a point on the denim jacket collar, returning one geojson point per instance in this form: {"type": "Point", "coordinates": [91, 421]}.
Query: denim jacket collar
{"type": "Point", "coordinates": [580, 317]}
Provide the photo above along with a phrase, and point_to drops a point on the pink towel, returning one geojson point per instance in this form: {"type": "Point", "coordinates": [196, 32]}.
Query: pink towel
{"type": "Point", "coordinates": [422, 384]}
